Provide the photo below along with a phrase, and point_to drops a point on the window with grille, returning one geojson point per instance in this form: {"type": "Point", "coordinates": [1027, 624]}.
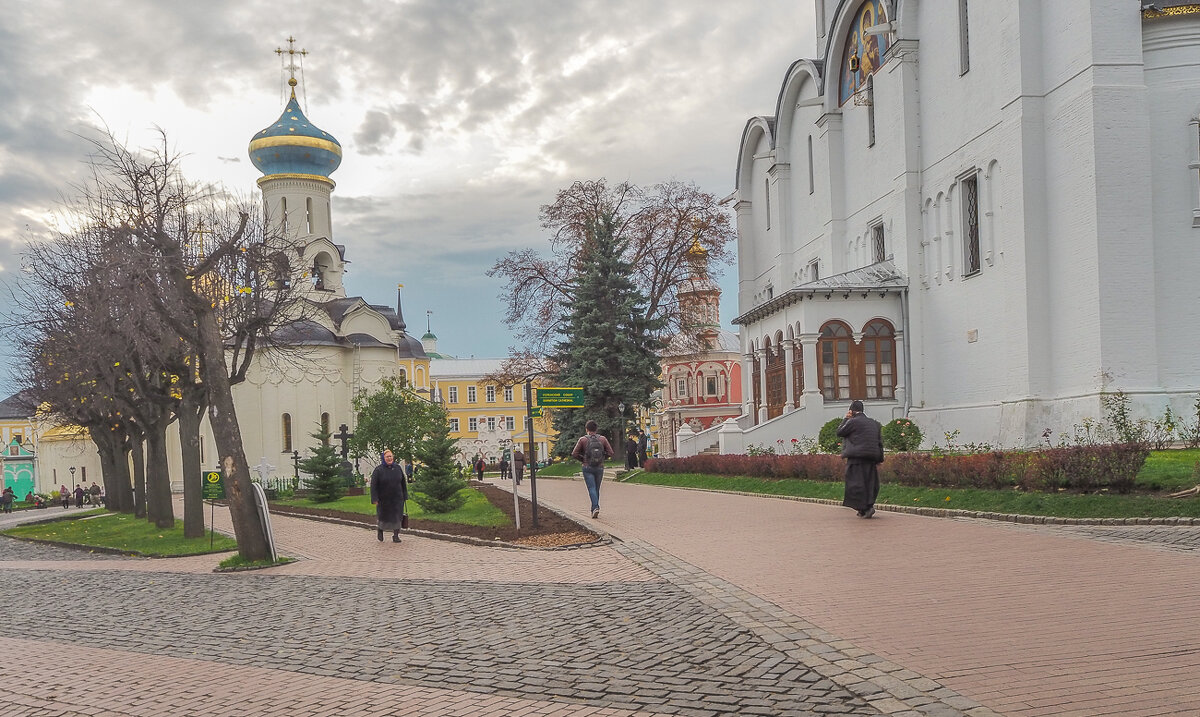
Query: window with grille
{"type": "Point", "coordinates": [471, 394]}
{"type": "Point", "coordinates": [287, 433]}
{"type": "Point", "coordinates": [970, 208]}
{"type": "Point", "coordinates": [878, 245]}
{"type": "Point", "coordinates": [491, 394]}
{"type": "Point", "coordinates": [812, 184]}
{"type": "Point", "coordinates": [472, 424]}
{"type": "Point", "coordinates": [879, 360]}
{"type": "Point", "coordinates": [767, 195]}
{"type": "Point", "coordinates": [964, 39]}
{"type": "Point", "coordinates": [835, 344]}
{"type": "Point", "coordinates": [681, 388]}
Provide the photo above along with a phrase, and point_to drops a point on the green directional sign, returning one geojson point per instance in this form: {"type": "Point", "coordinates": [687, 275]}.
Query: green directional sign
{"type": "Point", "coordinates": [560, 397]}
{"type": "Point", "coordinates": [536, 412]}
{"type": "Point", "coordinates": [214, 485]}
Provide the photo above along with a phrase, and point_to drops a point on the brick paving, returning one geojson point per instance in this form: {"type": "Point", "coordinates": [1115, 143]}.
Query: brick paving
{"type": "Point", "coordinates": [1028, 620]}
{"type": "Point", "coordinates": [704, 604]}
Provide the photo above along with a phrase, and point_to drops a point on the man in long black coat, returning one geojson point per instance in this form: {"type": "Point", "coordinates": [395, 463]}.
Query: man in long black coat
{"type": "Point", "coordinates": [862, 447]}
{"type": "Point", "coordinates": [389, 491]}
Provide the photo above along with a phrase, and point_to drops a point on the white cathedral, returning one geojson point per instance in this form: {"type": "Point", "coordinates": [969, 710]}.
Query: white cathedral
{"type": "Point", "coordinates": [978, 213]}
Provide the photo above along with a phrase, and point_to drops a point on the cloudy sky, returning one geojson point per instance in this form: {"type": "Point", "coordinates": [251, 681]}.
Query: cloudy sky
{"type": "Point", "coordinates": [458, 118]}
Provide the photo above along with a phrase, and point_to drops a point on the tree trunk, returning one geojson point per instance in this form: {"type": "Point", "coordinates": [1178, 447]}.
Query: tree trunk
{"type": "Point", "coordinates": [108, 460]}
{"type": "Point", "coordinates": [191, 410]}
{"type": "Point", "coordinates": [122, 498]}
{"type": "Point", "coordinates": [137, 447]}
{"type": "Point", "coordinates": [158, 478]}
{"type": "Point", "coordinates": [247, 528]}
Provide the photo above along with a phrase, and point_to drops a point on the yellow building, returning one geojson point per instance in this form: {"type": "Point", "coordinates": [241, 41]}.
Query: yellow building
{"type": "Point", "coordinates": [485, 416]}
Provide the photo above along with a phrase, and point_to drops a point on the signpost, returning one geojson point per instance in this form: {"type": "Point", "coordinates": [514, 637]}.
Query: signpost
{"type": "Point", "coordinates": [214, 489]}
{"type": "Point", "coordinates": [560, 397]}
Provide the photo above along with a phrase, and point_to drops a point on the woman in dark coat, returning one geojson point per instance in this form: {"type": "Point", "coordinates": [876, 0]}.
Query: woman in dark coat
{"type": "Point", "coordinates": [389, 491]}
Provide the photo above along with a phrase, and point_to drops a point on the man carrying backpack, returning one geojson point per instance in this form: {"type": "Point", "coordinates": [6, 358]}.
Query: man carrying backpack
{"type": "Point", "coordinates": [592, 450]}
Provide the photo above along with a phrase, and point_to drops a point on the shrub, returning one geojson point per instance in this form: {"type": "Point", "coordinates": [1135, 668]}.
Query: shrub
{"type": "Point", "coordinates": [1111, 466]}
{"type": "Point", "coordinates": [828, 439]}
{"type": "Point", "coordinates": [901, 435]}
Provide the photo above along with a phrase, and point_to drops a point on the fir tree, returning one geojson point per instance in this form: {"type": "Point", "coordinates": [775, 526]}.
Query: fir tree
{"type": "Point", "coordinates": [608, 345]}
{"type": "Point", "coordinates": [324, 469]}
{"type": "Point", "coordinates": [437, 486]}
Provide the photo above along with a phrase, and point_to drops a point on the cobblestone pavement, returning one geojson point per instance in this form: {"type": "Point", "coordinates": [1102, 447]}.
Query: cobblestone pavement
{"type": "Point", "coordinates": [1028, 620]}
{"type": "Point", "coordinates": [1165, 537]}
{"type": "Point", "coordinates": [666, 638]}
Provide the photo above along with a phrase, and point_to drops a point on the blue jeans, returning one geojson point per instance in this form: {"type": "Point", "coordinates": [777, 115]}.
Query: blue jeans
{"type": "Point", "coordinates": [592, 477]}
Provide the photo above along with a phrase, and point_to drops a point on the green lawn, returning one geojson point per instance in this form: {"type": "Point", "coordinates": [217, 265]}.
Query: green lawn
{"type": "Point", "coordinates": [124, 532]}
{"type": "Point", "coordinates": [476, 511]}
{"type": "Point", "coordinates": [571, 467]}
{"type": "Point", "coordinates": [1063, 505]}
{"type": "Point", "coordinates": [1169, 471]}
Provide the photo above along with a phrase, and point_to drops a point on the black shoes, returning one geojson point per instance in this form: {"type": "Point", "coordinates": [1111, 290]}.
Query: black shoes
{"type": "Point", "coordinates": [869, 513]}
{"type": "Point", "coordinates": [379, 534]}
{"type": "Point", "coordinates": [395, 538]}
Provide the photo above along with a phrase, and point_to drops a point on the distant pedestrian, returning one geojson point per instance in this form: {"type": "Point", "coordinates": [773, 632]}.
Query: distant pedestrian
{"type": "Point", "coordinates": [79, 493]}
{"type": "Point", "coordinates": [479, 466]}
{"type": "Point", "coordinates": [503, 468]}
{"type": "Point", "coordinates": [7, 498]}
{"type": "Point", "coordinates": [643, 444]}
{"type": "Point", "coordinates": [389, 492]}
{"type": "Point", "coordinates": [519, 464]}
{"type": "Point", "coordinates": [592, 450]}
{"type": "Point", "coordinates": [95, 491]}
{"type": "Point", "coordinates": [631, 452]}
{"type": "Point", "coordinates": [408, 470]}
{"type": "Point", "coordinates": [64, 496]}
{"type": "Point", "coordinates": [862, 447]}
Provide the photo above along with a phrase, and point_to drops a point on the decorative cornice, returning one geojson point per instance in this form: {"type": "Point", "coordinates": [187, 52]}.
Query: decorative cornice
{"type": "Point", "coordinates": [288, 175]}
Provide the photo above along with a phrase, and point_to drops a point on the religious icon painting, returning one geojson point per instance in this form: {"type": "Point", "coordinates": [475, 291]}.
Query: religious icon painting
{"type": "Point", "coordinates": [863, 53]}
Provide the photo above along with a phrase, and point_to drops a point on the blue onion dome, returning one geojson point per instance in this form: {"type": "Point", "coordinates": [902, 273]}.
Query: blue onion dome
{"type": "Point", "coordinates": [294, 146]}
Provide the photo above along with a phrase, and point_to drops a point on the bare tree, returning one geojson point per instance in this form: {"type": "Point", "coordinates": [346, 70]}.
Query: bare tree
{"type": "Point", "coordinates": [657, 225]}
{"type": "Point", "coordinates": [208, 283]}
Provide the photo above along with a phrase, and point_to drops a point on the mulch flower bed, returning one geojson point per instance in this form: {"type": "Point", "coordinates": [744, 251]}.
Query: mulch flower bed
{"type": "Point", "coordinates": [553, 529]}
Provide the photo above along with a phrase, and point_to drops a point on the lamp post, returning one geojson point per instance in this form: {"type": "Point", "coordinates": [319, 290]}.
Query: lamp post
{"type": "Point", "coordinates": [296, 469]}
{"type": "Point", "coordinates": [72, 478]}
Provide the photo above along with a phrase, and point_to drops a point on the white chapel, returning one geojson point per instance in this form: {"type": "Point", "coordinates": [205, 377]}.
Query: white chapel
{"type": "Point", "coordinates": [978, 213]}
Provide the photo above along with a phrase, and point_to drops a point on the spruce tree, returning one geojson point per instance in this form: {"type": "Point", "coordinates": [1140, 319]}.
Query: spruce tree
{"type": "Point", "coordinates": [608, 345]}
{"type": "Point", "coordinates": [324, 468]}
{"type": "Point", "coordinates": [437, 486]}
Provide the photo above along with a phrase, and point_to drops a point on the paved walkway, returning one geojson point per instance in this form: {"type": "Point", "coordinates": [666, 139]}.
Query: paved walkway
{"type": "Point", "coordinates": [1028, 620]}
{"type": "Point", "coordinates": [704, 604]}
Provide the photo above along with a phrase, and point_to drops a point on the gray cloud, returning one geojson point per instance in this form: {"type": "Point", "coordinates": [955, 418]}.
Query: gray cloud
{"type": "Point", "coordinates": [529, 96]}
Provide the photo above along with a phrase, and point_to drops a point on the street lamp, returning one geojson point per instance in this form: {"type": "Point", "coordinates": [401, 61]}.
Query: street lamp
{"type": "Point", "coordinates": [72, 478]}
{"type": "Point", "coordinates": [296, 469]}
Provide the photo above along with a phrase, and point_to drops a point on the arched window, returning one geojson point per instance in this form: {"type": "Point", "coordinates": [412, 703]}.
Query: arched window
{"type": "Point", "coordinates": [835, 349]}
{"type": "Point", "coordinates": [879, 360]}
{"type": "Point", "coordinates": [287, 433]}
{"type": "Point", "coordinates": [308, 218]}
{"type": "Point", "coordinates": [283, 213]}
{"type": "Point", "coordinates": [776, 380]}
{"type": "Point", "coordinates": [797, 373]}
{"type": "Point", "coordinates": [402, 378]}
{"type": "Point", "coordinates": [756, 385]}
{"type": "Point", "coordinates": [325, 426]}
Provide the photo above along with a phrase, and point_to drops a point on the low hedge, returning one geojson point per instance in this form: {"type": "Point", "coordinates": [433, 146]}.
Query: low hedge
{"type": "Point", "coordinates": [1076, 468]}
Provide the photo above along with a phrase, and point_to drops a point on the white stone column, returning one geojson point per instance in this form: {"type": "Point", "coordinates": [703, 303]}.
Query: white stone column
{"type": "Point", "coordinates": [730, 438]}
{"type": "Point", "coordinates": [762, 383]}
{"type": "Point", "coordinates": [789, 348]}
{"type": "Point", "coordinates": [812, 397]}
{"type": "Point", "coordinates": [748, 384]}
{"type": "Point", "coordinates": [901, 389]}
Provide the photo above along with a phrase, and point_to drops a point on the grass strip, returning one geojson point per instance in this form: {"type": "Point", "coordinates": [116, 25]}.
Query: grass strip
{"type": "Point", "coordinates": [123, 532]}
{"type": "Point", "coordinates": [237, 562]}
{"type": "Point", "coordinates": [1060, 505]}
{"type": "Point", "coordinates": [477, 510]}
{"type": "Point", "coordinates": [1169, 470]}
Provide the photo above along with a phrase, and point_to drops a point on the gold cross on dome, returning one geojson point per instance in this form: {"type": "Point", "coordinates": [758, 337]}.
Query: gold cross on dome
{"type": "Point", "coordinates": [291, 60]}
